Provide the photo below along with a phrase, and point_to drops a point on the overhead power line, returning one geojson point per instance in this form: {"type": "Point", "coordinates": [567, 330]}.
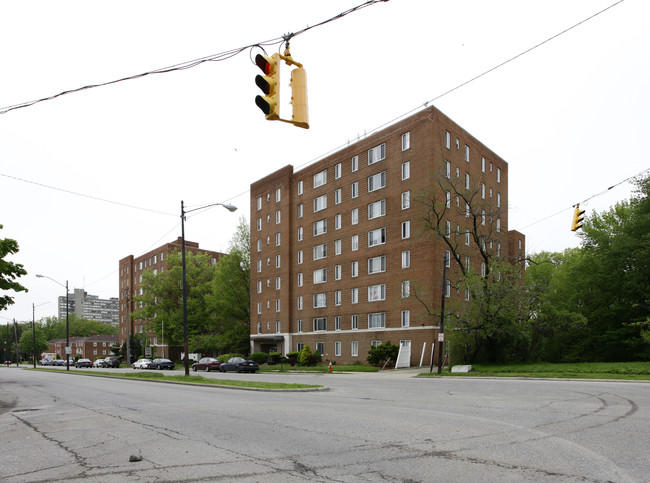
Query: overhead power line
{"type": "Point", "coordinates": [196, 62]}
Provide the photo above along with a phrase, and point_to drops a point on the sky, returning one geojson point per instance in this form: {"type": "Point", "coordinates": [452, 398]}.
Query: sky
{"type": "Point", "coordinates": [91, 177]}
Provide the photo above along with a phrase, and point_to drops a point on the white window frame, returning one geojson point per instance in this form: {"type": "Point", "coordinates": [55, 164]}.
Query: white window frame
{"type": "Point", "coordinates": [377, 293]}
{"type": "Point", "coordinates": [377, 209]}
{"type": "Point", "coordinates": [376, 181]}
{"type": "Point", "coordinates": [372, 234]}
{"type": "Point", "coordinates": [354, 296]}
{"type": "Point", "coordinates": [320, 203]}
{"type": "Point", "coordinates": [405, 289]}
{"type": "Point", "coordinates": [354, 269]}
{"type": "Point", "coordinates": [354, 164]}
{"type": "Point", "coordinates": [406, 258]}
{"type": "Point", "coordinates": [354, 216]}
{"type": "Point", "coordinates": [377, 320]}
{"type": "Point", "coordinates": [406, 229]}
{"type": "Point", "coordinates": [405, 318]}
{"type": "Point", "coordinates": [337, 196]}
{"type": "Point", "coordinates": [337, 170]}
{"type": "Point", "coordinates": [354, 348]}
{"type": "Point", "coordinates": [320, 251]}
{"type": "Point", "coordinates": [376, 154]}
{"type": "Point", "coordinates": [354, 322]}
{"type": "Point", "coordinates": [319, 276]}
{"type": "Point", "coordinates": [337, 272]}
{"type": "Point", "coordinates": [320, 179]}
{"type": "Point", "coordinates": [300, 187]}
{"type": "Point", "coordinates": [320, 300]}
{"type": "Point", "coordinates": [355, 242]}
{"type": "Point", "coordinates": [406, 141]}
{"type": "Point", "coordinates": [337, 297]}
{"type": "Point", "coordinates": [377, 264]}
{"type": "Point", "coordinates": [320, 324]}
{"type": "Point", "coordinates": [320, 227]}
{"type": "Point", "coordinates": [354, 190]}
{"type": "Point", "coordinates": [406, 200]}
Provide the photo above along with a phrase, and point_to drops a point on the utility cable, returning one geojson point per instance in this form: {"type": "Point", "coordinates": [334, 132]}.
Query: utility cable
{"type": "Point", "coordinates": [193, 63]}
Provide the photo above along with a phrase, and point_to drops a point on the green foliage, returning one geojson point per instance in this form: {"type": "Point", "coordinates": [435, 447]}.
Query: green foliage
{"type": "Point", "coordinates": [309, 358]}
{"type": "Point", "coordinates": [26, 342]}
{"type": "Point", "coordinates": [9, 272]}
{"type": "Point", "coordinates": [260, 357]}
{"type": "Point", "coordinates": [225, 357]}
{"type": "Point", "coordinates": [378, 356]}
{"type": "Point", "coordinates": [54, 328]}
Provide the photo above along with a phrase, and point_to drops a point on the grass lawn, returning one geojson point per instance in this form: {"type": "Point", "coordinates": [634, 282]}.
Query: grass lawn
{"type": "Point", "coordinates": [193, 379]}
{"type": "Point", "coordinates": [582, 370]}
{"type": "Point", "coordinates": [319, 368]}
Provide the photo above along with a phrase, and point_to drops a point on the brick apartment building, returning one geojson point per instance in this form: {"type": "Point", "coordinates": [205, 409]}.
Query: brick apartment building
{"type": "Point", "coordinates": [92, 347]}
{"type": "Point", "coordinates": [338, 248]}
{"type": "Point", "coordinates": [131, 270]}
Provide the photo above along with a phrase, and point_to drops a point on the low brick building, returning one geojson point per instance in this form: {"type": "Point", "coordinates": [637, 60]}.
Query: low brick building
{"type": "Point", "coordinates": [92, 347]}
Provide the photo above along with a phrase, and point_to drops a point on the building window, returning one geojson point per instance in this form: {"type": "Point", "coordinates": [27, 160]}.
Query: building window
{"type": "Point", "coordinates": [277, 239]}
{"type": "Point", "coordinates": [320, 324]}
{"type": "Point", "coordinates": [377, 293]}
{"type": "Point", "coordinates": [320, 179]}
{"type": "Point", "coordinates": [354, 269]}
{"type": "Point", "coordinates": [447, 258]}
{"type": "Point", "coordinates": [299, 325]}
{"type": "Point", "coordinates": [406, 200]}
{"type": "Point", "coordinates": [277, 326]}
{"type": "Point", "coordinates": [300, 346]}
{"type": "Point", "coordinates": [337, 196]}
{"type": "Point", "coordinates": [355, 163]}
{"type": "Point", "coordinates": [320, 347]}
{"type": "Point", "coordinates": [498, 225]}
{"type": "Point", "coordinates": [406, 229]}
{"type": "Point", "coordinates": [354, 348]}
{"type": "Point", "coordinates": [337, 171]}
{"type": "Point", "coordinates": [259, 203]}
{"type": "Point", "coordinates": [355, 242]}
{"type": "Point", "coordinates": [447, 140]}
{"type": "Point", "coordinates": [299, 187]}
{"type": "Point", "coordinates": [299, 258]}
{"type": "Point", "coordinates": [259, 266]}
{"type": "Point", "coordinates": [377, 209]}
{"type": "Point", "coordinates": [277, 305]}
{"type": "Point", "coordinates": [278, 194]}
{"type": "Point", "coordinates": [467, 153]}
{"type": "Point", "coordinates": [377, 264]}
{"type": "Point", "coordinates": [300, 279]}
{"type": "Point", "coordinates": [320, 300]}
{"type": "Point", "coordinates": [354, 216]}
{"type": "Point", "coordinates": [277, 261]}
{"type": "Point", "coordinates": [259, 327]}
{"type": "Point", "coordinates": [447, 199]}
{"type": "Point", "coordinates": [377, 237]}
{"type": "Point", "coordinates": [337, 247]}
{"type": "Point", "coordinates": [259, 245]}
{"type": "Point", "coordinates": [406, 259]}
{"type": "Point", "coordinates": [320, 203]}
{"type": "Point", "coordinates": [406, 170]}
{"type": "Point", "coordinates": [406, 318]}
{"type": "Point", "coordinates": [376, 154]}
{"type": "Point", "coordinates": [466, 181]}
{"type": "Point", "coordinates": [482, 164]}
{"type": "Point", "coordinates": [498, 175]}
{"type": "Point", "coordinates": [406, 289]}
{"type": "Point", "coordinates": [320, 251]}
{"type": "Point", "coordinates": [320, 275]}
{"type": "Point", "coordinates": [278, 283]}
{"type": "Point", "coordinates": [337, 322]}
{"type": "Point", "coordinates": [300, 210]}
{"type": "Point", "coordinates": [406, 141]}
{"type": "Point", "coordinates": [337, 272]}
{"type": "Point", "coordinates": [355, 189]}
{"type": "Point", "coordinates": [277, 217]}
{"type": "Point", "coordinates": [259, 307]}
{"type": "Point", "coordinates": [377, 320]}
{"type": "Point", "coordinates": [337, 221]}
{"type": "Point", "coordinates": [259, 224]}
{"type": "Point", "coordinates": [498, 200]}
{"type": "Point", "coordinates": [376, 181]}
{"type": "Point", "coordinates": [337, 348]}
{"type": "Point", "coordinates": [447, 229]}
{"type": "Point", "coordinates": [447, 288]}
{"type": "Point", "coordinates": [320, 227]}
{"type": "Point", "coordinates": [467, 237]}
{"type": "Point", "coordinates": [467, 210]}
{"type": "Point", "coordinates": [354, 322]}
{"type": "Point", "coordinates": [354, 296]}
{"type": "Point", "coordinates": [300, 234]}
{"type": "Point", "coordinates": [337, 297]}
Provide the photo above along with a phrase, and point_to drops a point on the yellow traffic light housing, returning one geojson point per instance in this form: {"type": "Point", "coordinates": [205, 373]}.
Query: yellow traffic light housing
{"type": "Point", "coordinates": [270, 85]}
{"type": "Point", "coordinates": [578, 216]}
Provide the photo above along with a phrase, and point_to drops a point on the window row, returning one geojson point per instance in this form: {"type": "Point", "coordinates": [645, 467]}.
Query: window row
{"type": "Point", "coordinates": [467, 152]}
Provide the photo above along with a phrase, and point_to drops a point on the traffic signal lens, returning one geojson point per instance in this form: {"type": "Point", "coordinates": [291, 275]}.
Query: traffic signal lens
{"type": "Point", "coordinates": [262, 104]}
{"type": "Point", "coordinates": [263, 63]}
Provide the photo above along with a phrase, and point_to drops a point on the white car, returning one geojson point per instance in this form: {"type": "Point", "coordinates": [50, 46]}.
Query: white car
{"type": "Point", "coordinates": [142, 364]}
{"type": "Point", "coordinates": [98, 363]}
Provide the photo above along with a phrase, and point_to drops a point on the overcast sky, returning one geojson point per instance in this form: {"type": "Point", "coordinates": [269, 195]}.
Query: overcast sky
{"type": "Point", "coordinates": [570, 117]}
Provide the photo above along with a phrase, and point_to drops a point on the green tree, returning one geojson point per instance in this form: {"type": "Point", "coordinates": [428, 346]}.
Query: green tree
{"type": "Point", "coordinates": [383, 353]}
{"type": "Point", "coordinates": [162, 299]}
{"type": "Point", "coordinates": [9, 272]}
{"type": "Point", "coordinates": [55, 328]}
{"type": "Point", "coordinates": [26, 342]}
{"type": "Point", "coordinates": [229, 296]}
{"type": "Point", "coordinates": [491, 327]}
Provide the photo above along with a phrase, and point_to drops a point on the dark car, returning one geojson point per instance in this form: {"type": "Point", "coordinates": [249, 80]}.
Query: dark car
{"type": "Point", "coordinates": [239, 364]}
{"type": "Point", "coordinates": [111, 361]}
{"type": "Point", "coordinates": [207, 364]}
{"type": "Point", "coordinates": [161, 364]}
{"type": "Point", "coordinates": [83, 363]}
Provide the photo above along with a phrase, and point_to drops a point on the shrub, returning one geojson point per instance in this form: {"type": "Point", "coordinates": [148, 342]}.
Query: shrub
{"type": "Point", "coordinates": [293, 357]}
{"type": "Point", "coordinates": [274, 357]}
{"type": "Point", "coordinates": [260, 357]}
{"type": "Point", "coordinates": [377, 356]}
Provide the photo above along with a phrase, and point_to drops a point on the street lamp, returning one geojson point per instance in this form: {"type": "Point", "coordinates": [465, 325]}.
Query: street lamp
{"type": "Point", "coordinates": [67, 323]}
{"type": "Point", "coordinates": [230, 208]}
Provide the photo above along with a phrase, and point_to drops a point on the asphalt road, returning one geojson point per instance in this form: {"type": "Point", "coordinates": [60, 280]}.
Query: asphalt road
{"type": "Point", "coordinates": [366, 427]}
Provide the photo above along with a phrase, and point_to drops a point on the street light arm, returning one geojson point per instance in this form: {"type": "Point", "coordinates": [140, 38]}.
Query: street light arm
{"type": "Point", "coordinates": [55, 281]}
{"type": "Point", "coordinates": [225, 205]}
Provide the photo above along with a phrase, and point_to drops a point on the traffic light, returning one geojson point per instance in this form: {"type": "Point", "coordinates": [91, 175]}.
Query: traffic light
{"type": "Point", "coordinates": [270, 85]}
{"type": "Point", "coordinates": [578, 215]}
{"type": "Point", "coordinates": [300, 116]}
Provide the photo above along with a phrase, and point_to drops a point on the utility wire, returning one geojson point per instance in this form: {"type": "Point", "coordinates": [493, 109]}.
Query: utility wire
{"type": "Point", "coordinates": [193, 63]}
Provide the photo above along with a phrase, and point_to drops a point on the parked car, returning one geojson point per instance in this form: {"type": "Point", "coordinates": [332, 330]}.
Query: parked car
{"type": "Point", "coordinates": [239, 364]}
{"type": "Point", "coordinates": [161, 364]}
{"type": "Point", "coordinates": [111, 361]}
{"type": "Point", "coordinates": [207, 364]}
{"type": "Point", "coordinates": [83, 363]}
{"type": "Point", "coordinates": [142, 364]}
{"type": "Point", "coordinates": [98, 363]}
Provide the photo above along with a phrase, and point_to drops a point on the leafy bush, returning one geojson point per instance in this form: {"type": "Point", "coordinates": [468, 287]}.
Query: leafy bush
{"type": "Point", "coordinates": [309, 358]}
{"type": "Point", "coordinates": [377, 356]}
{"type": "Point", "coordinates": [274, 357]}
{"type": "Point", "coordinates": [225, 357]}
{"type": "Point", "coordinates": [293, 357]}
{"type": "Point", "coordinates": [260, 357]}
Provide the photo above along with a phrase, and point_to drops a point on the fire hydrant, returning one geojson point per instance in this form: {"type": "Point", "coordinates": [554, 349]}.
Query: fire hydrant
{"type": "Point", "coordinates": [330, 367]}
